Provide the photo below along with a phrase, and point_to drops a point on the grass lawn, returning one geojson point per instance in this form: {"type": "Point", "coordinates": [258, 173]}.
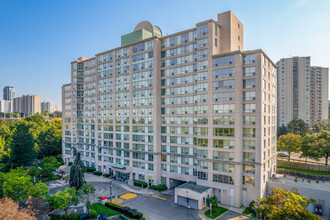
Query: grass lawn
{"type": "Point", "coordinates": [98, 207]}
{"type": "Point", "coordinates": [246, 212]}
{"type": "Point", "coordinates": [216, 211]}
{"type": "Point", "coordinates": [311, 172]}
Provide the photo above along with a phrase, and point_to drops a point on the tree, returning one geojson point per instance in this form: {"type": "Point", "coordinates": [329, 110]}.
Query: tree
{"type": "Point", "coordinates": [38, 190]}
{"type": "Point", "coordinates": [77, 178]}
{"type": "Point", "coordinates": [282, 131]}
{"type": "Point", "coordinates": [283, 204]}
{"type": "Point", "coordinates": [321, 125]}
{"type": "Point", "coordinates": [34, 170]}
{"type": "Point", "coordinates": [38, 206]}
{"type": "Point", "coordinates": [49, 141]}
{"type": "Point", "coordinates": [10, 210]}
{"type": "Point", "coordinates": [64, 199]}
{"type": "Point", "coordinates": [49, 165]}
{"type": "Point", "coordinates": [290, 143]}
{"type": "Point", "coordinates": [323, 142]}
{"type": "Point", "coordinates": [86, 195]}
{"type": "Point", "coordinates": [22, 147]}
{"type": "Point", "coordinates": [309, 147]}
{"type": "Point", "coordinates": [16, 184]}
{"type": "Point", "coordinates": [298, 126]}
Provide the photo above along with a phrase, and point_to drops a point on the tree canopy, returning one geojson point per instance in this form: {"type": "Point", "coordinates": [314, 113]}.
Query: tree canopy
{"type": "Point", "coordinates": [284, 204]}
{"type": "Point", "coordinates": [298, 126]}
{"type": "Point", "coordinates": [63, 199]}
{"type": "Point", "coordinates": [290, 143]}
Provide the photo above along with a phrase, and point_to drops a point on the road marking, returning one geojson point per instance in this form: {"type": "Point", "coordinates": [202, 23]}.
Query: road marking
{"type": "Point", "coordinates": [70, 210]}
{"type": "Point", "coordinates": [158, 197]}
{"type": "Point", "coordinates": [128, 196]}
{"type": "Point", "coordinates": [116, 201]}
{"type": "Point", "coordinates": [124, 204]}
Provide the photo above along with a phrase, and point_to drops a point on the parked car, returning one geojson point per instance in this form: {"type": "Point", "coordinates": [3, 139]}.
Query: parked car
{"type": "Point", "coordinates": [102, 216]}
{"type": "Point", "coordinates": [86, 217]}
{"type": "Point", "coordinates": [282, 155]}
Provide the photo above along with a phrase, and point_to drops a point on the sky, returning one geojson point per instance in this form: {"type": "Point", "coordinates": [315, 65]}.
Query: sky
{"type": "Point", "coordinates": [39, 39]}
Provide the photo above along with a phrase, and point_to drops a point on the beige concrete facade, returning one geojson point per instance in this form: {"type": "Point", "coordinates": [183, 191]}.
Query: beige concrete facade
{"type": "Point", "coordinates": [190, 106]}
{"type": "Point", "coordinates": [301, 92]}
{"type": "Point", "coordinates": [6, 106]}
{"type": "Point", "coordinates": [319, 93]}
{"type": "Point", "coordinates": [27, 104]}
{"type": "Point", "coordinates": [48, 106]}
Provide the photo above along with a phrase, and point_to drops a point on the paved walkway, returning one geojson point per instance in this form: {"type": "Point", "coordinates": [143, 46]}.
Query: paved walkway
{"type": "Point", "coordinates": [133, 189]}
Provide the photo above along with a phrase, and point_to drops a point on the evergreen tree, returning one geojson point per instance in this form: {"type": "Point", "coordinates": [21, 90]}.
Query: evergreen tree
{"type": "Point", "coordinates": [77, 178]}
{"type": "Point", "coordinates": [22, 146]}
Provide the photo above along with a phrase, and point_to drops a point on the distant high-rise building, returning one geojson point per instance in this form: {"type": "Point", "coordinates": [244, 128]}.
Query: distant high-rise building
{"type": "Point", "coordinates": [189, 106]}
{"type": "Point", "coordinates": [6, 106]}
{"type": "Point", "coordinates": [48, 106]}
{"type": "Point", "coordinates": [27, 104]}
{"type": "Point", "coordinates": [319, 93]}
{"type": "Point", "coordinates": [302, 91]}
{"type": "Point", "coordinates": [9, 93]}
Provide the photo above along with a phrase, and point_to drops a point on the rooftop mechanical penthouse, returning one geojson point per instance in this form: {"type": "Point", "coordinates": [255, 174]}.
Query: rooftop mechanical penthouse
{"type": "Point", "coordinates": [191, 107]}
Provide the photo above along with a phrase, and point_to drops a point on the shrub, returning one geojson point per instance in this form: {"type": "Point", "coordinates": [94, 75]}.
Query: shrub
{"type": "Point", "coordinates": [158, 187]}
{"type": "Point", "coordinates": [133, 213]}
{"type": "Point", "coordinates": [70, 163]}
{"type": "Point", "coordinates": [97, 173]}
{"type": "Point", "coordinates": [90, 169]}
{"type": "Point", "coordinates": [140, 183]}
{"type": "Point", "coordinates": [106, 175]}
{"type": "Point", "coordinates": [212, 200]}
{"type": "Point", "coordinates": [93, 214]}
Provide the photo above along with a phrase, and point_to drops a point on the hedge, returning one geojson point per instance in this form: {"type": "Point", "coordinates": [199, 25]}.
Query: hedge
{"type": "Point", "coordinates": [133, 213]}
{"type": "Point", "coordinates": [106, 175]}
{"type": "Point", "coordinates": [158, 187]}
{"type": "Point", "coordinates": [97, 173]}
{"type": "Point", "coordinates": [140, 183]}
{"type": "Point", "coordinates": [90, 169]}
{"type": "Point", "coordinates": [62, 217]}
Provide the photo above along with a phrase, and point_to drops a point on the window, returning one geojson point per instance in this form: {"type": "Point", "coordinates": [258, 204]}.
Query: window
{"type": "Point", "coordinates": [202, 175]}
{"type": "Point", "coordinates": [223, 61]}
{"type": "Point", "coordinates": [223, 179]}
{"type": "Point", "coordinates": [249, 132]}
{"type": "Point", "coordinates": [249, 59]}
{"type": "Point", "coordinates": [249, 83]}
{"type": "Point", "coordinates": [248, 180]}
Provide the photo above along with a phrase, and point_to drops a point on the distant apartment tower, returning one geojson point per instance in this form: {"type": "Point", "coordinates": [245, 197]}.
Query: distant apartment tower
{"type": "Point", "coordinates": [9, 93]}
{"type": "Point", "coordinates": [27, 104]}
{"type": "Point", "coordinates": [6, 106]}
{"type": "Point", "coordinates": [300, 93]}
{"type": "Point", "coordinates": [48, 106]}
{"type": "Point", "coordinates": [190, 106]}
{"type": "Point", "coordinates": [319, 93]}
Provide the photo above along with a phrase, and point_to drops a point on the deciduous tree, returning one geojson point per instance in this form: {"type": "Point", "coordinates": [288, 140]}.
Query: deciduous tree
{"type": "Point", "coordinates": [38, 190]}
{"type": "Point", "coordinates": [298, 126]}
{"type": "Point", "coordinates": [64, 199]}
{"type": "Point", "coordinates": [323, 142]}
{"type": "Point", "coordinates": [321, 125]}
{"type": "Point", "coordinates": [10, 210]}
{"type": "Point", "coordinates": [49, 165]}
{"type": "Point", "coordinates": [290, 143]}
{"type": "Point", "coordinates": [309, 147]}
{"type": "Point", "coordinates": [86, 195]}
{"type": "Point", "coordinates": [16, 184]}
{"type": "Point", "coordinates": [283, 204]}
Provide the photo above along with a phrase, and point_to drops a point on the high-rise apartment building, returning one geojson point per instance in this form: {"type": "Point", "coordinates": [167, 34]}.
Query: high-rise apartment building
{"type": "Point", "coordinates": [300, 91]}
{"type": "Point", "coordinates": [190, 106]}
{"type": "Point", "coordinates": [27, 104]}
{"type": "Point", "coordinates": [48, 106]}
{"type": "Point", "coordinates": [6, 106]}
{"type": "Point", "coordinates": [9, 93]}
{"type": "Point", "coordinates": [319, 93]}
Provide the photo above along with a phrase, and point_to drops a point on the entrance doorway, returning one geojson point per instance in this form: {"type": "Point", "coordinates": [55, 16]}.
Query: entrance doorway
{"type": "Point", "coordinates": [174, 183]}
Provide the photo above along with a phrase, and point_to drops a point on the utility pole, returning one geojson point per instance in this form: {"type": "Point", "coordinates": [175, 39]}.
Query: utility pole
{"type": "Point", "coordinates": [110, 191]}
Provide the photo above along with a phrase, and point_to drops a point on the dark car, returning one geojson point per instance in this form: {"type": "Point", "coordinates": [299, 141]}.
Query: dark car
{"type": "Point", "coordinates": [86, 217]}
{"type": "Point", "coordinates": [282, 155]}
{"type": "Point", "coordinates": [102, 216]}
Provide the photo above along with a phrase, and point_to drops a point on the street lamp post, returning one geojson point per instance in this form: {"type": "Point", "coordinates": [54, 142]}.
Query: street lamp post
{"type": "Point", "coordinates": [188, 212]}
{"type": "Point", "coordinates": [110, 191]}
